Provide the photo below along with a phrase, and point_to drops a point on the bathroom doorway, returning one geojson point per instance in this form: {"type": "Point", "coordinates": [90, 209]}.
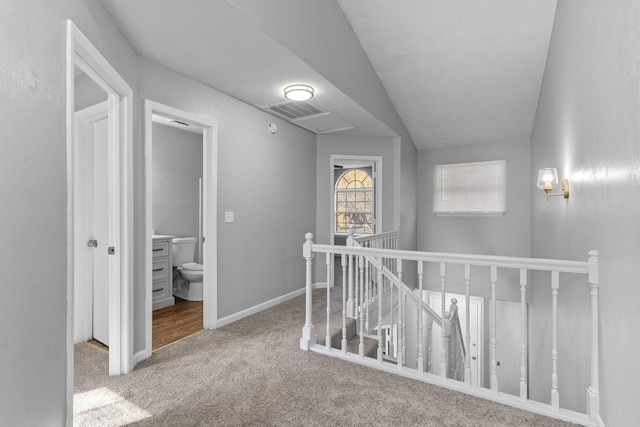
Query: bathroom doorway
{"type": "Point", "coordinates": [198, 136]}
{"type": "Point", "coordinates": [112, 213]}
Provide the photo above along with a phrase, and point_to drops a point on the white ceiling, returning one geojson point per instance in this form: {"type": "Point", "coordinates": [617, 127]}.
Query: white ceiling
{"type": "Point", "coordinates": [457, 71]}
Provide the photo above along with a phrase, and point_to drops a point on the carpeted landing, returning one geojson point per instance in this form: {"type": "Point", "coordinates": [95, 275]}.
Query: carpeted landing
{"type": "Point", "coordinates": [252, 373]}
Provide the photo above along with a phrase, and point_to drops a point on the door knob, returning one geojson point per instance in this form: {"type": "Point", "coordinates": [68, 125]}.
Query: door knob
{"type": "Point", "coordinates": [473, 358]}
{"type": "Point", "coordinates": [498, 363]}
{"type": "Point", "coordinates": [92, 243]}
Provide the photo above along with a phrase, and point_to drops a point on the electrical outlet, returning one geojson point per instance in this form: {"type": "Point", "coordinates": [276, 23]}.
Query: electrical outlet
{"type": "Point", "coordinates": [228, 216]}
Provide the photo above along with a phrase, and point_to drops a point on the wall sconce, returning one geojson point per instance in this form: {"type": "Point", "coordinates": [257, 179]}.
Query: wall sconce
{"type": "Point", "coordinates": [548, 180]}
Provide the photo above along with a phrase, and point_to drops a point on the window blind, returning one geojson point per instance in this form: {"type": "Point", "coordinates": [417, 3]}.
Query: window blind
{"type": "Point", "coordinates": [471, 188]}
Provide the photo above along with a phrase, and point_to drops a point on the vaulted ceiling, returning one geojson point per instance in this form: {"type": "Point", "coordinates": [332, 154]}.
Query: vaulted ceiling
{"type": "Point", "coordinates": [458, 72]}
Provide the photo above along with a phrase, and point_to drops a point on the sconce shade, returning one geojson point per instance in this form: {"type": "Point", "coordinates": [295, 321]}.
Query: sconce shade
{"type": "Point", "coordinates": [548, 178]}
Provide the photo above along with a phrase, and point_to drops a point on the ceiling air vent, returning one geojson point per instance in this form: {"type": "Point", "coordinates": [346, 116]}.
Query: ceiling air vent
{"type": "Point", "coordinates": [293, 109]}
{"type": "Point", "coordinates": [308, 116]}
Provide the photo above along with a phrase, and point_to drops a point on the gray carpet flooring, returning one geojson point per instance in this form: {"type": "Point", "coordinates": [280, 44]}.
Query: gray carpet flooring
{"type": "Point", "coordinates": [252, 373]}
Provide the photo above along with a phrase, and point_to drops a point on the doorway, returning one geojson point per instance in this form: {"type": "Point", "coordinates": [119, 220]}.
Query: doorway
{"type": "Point", "coordinates": [83, 56]}
{"type": "Point", "coordinates": [356, 196]}
{"type": "Point", "coordinates": [91, 290]}
{"type": "Point", "coordinates": [207, 238]}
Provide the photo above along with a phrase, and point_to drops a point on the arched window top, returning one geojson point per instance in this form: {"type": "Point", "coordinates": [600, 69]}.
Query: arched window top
{"type": "Point", "coordinates": [354, 179]}
{"type": "Point", "coordinates": [354, 202]}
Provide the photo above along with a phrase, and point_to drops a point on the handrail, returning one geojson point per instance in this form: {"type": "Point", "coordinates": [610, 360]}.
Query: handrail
{"type": "Point", "coordinates": [372, 269]}
{"type": "Point", "coordinates": [392, 277]}
{"type": "Point", "coordinates": [378, 236]}
{"type": "Point", "coordinates": [389, 275]}
{"type": "Point", "coordinates": [449, 258]}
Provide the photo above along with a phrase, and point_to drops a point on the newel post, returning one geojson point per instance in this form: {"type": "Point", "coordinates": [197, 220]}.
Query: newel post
{"type": "Point", "coordinates": [308, 331]}
{"type": "Point", "coordinates": [593, 394]}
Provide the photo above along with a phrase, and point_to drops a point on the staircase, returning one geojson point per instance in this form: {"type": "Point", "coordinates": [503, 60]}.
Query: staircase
{"type": "Point", "coordinates": [349, 323]}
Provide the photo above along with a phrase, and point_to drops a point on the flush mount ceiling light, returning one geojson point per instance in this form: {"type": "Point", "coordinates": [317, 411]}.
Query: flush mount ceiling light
{"type": "Point", "coordinates": [548, 180]}
{"type": "Point", "coordinates": [298, 92]}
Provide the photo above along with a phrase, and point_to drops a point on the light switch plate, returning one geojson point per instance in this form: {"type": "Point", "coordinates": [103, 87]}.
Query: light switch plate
{"type": "Point", "coordinates": [228, 216]}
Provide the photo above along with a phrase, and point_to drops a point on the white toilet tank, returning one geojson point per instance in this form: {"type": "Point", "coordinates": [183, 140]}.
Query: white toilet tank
{"type": "Point", "coordinates": [183, 250]}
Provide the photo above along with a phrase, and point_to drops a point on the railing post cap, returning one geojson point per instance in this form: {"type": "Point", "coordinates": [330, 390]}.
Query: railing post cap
{"type": "Point", "coordinates": [454, 301]}
{"type": "Point", "coordinates": [309, 237]}
{"type": "Point", "coordinates": [351, 233]}
{"type": "Point", "coordinates": [593, 253]}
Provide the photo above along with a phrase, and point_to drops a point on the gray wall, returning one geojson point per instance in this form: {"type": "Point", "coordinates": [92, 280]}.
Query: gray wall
{"type": "Point", "coordinates": [507, 235]}
{"type": "Point", "coordinates": [339, 57]}
{"type": "Point", "coordinates": [267, 180]}
{"type": "Point", "coordinates": [354, 146]}
{"type": "Point", "coordinates": [587, 127]}
{"type": "Point", "coordinates": [33, 310]}
{"type": "Point", "coordinates": [87, 92]}
{"type": "Point", "coordinates": [177, 168]}
{"type": "Point", "coordinates": [348, 146]}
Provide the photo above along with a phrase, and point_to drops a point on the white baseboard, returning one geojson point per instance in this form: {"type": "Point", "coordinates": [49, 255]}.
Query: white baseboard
{"type": "Point", "coordinates": [258, 308]}
{"type": "Point", "coordinates": [140, 356]}
{"type": "Point", "coordinates": [320, 285]}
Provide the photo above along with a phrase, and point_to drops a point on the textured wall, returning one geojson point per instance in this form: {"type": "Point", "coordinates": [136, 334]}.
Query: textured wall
{"type": "Point", "coordinates": [267, 180]}
{"type": "Point", "coordinates": [507, 235]}
{"type": "Point", "coordinates": [33, 217]}
{"type": "Point", "coordinates": [587, 127]}
{"type": "Point", "coordinates": [339, 57]}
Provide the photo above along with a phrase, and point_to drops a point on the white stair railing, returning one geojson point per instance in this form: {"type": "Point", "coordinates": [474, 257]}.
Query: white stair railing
{"type": "Point", "coordinates": [370, 265]}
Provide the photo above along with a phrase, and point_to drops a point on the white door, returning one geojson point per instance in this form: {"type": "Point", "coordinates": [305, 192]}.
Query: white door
{"type": "Point", "coordinates": [475, 331]}
{"type": "Point", "coordinates": [100, 197]}
{"type": "Point", "coordinates": [508, 343]}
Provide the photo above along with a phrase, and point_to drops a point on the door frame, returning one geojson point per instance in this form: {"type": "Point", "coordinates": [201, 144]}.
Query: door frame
{"type": "Point", "coordinates": [83, 295]}
{"type": "Point", "coordinates": [81, 52]}
{"type": "Point", "coordinates": [377, 179]}
{"type": "Point", "coordinates": [210, 224]}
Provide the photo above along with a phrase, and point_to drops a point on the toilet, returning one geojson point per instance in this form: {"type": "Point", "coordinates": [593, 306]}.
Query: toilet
{"type": "Point", "coordinates": [188, 282]}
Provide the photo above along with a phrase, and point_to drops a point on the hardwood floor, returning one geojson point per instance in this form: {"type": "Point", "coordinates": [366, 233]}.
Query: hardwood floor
{"type": "Point", "coordinates": [176, 322]}
{"type": "Point", "coordinates": [171, 324]}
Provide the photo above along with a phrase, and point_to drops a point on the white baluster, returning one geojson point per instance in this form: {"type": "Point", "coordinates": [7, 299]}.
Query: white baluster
{"type": "Point", "coordinates": [523, 345]}
{"type": "Point", "coordinates": [430, 345]}
{"type": "Point", "coordinates": [443, 351]}
{"type": "Point", "coordinates": [492, 331]}
{"type": "Point", "coordinates": [593, 393]}
{"type": "Point", "coordinates": [308, 331]}
{"type": "Point", "coordinates": [467, 358]}
{"type": "Point", "coordinates": [350, 304]}
{"type": "Point", "coordinates": [343, 344]}
{"type": "Point", "coordinates": [555, 395]}
{"type": "Point", "coordinates": [367, 293]}
{"type": "Point", "coordinates": [380, 343]}
{"type": "Point", "coordinates": [358, 300]}
{"type": "Point", "coordinates": [400, 318]}
{"type": "Point", "coordinates": [420, 318]}
{"type": "Point", "coordinates": [361, 346]}
{"type": "Point", "coordinates": [329, 280]}
{"type": "Point", "coordinates": [404, 328]}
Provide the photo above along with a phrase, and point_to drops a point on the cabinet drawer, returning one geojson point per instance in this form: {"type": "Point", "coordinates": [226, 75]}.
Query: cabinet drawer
{"type": "Point", "coordinates": [161, 289]}
{"type": "Point", "coordinates": [160, 249]}
{"type": "Point", "coordinates": [160, 269]}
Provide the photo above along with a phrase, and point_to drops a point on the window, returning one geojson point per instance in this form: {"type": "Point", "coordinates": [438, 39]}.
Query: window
{"type": "Point", "coordinates": [469, 189]}
{"type": "Point", "coordinates": [354, 202]}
